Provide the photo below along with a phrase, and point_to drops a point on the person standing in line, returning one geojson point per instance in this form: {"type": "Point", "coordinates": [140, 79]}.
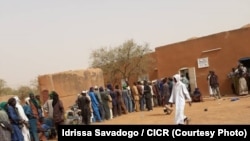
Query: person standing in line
{"type": "Point", "coordinates": [110, 104]}
{"type": "Point", "coordinates": [58, 110]}
{"type": "Point", "coordinates": [152, 93]}
{"type": "Point", "coordinates": [105, 101]}
{"type": "Point", "coordinates": [127, 98]}
{"type": "Point", "coordinates": [136, 97]}
{"type": "Point", "coordinates": [99, 99]}
{"type": "Point", "coordinates": [121, 107]}
{"type": "Point", "coordinates": [131, 98]}
{"type": "Point", "coordinates": [156, 93]}
{"type": "Point", "coordinates": [48, 108]}
{"type": "Point", "coordinates": [38, 114]}
{"type": "Point", "coordinates": [40, 110]}
{"type": "Point", "coordinates": [95, 105]}
{"type": "Point", "coordinates": [214, 83]}
{"type": "Point", "coordinates": [5, 126]}
{"type": "Point", "coordinates": [83, 104]}
{"type": "Point", "coordinates": [141, 96]}
{"type": "Point", "coordinates": [110, 90]}
{"type": "Point", "coordinates": [170, 84]}
{"type": "Point", "coordinates": [179, 96]}
{"type": "Point", "coordinates": [25, 129]}
{"type": "Point", "coordinates": [16, 121]}
{"type": "Point", "coordinates": [165, 91]}
{"type": "Point", "coordinates": [32, 119]}
{"type": "Point", "coordinates": [148, 95]}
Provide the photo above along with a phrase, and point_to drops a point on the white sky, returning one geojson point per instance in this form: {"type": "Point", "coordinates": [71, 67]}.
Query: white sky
{"type": "Point", "coordinates": [49, 36]}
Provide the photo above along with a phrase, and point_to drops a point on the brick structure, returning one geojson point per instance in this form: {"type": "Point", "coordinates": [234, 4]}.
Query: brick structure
{"type": "Point", "coordinates": [218, 52]}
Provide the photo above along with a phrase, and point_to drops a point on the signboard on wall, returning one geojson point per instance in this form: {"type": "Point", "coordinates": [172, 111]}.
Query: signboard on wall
{"type": "Point", "coordinates": [203, 62]}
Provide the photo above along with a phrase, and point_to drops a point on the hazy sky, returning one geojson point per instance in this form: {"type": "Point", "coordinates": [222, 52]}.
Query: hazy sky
{"type": "Point", "coordinates": [39, 37]}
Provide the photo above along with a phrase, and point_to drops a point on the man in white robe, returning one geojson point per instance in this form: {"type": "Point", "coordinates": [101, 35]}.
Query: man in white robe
{"type": "Point", "coordinates": [48, 108]}
{"type": "Point", "coordinates": [179, 96]}
{"type": "Point", "coordinates": [25, 129]}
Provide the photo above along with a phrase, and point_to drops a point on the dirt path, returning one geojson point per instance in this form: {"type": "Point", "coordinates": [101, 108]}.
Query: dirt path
{"type": "Point", "coordinates": [223, 111]}
{"type": "Point", "coordinates": [219, 112]}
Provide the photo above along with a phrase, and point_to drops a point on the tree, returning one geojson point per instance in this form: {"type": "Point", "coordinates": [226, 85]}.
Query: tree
{"type": "Point", "coordinates": [123, 62]}
{"type": "Point", "coordinates": [2, 85]}
{"type": "Point", "coordinates": [23, 91]}
{"type": "Point", "coordinates": [4, 89]}
{"type": "Point", "coordinates": [34, 86]}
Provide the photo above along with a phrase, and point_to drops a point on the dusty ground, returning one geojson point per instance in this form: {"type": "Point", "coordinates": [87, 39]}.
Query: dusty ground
{"type": "Point", "coordinates": [219, 112]}
{"type": "Point", "coordinates": [222, 111]}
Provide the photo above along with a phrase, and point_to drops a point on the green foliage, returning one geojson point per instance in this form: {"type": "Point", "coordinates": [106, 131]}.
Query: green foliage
{"type": "Point", "coordinates": [126, 60]}
{"type": "Point", "coordinates": [22, 91]}
{"type": "Point", "coordinates": [34, 86]}
{"type": "Point", "coordinates": [2, 86]}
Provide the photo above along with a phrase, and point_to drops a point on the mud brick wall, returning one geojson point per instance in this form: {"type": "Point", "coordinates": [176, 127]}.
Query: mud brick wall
{"type": "Point", "coordinates": [70, 83]}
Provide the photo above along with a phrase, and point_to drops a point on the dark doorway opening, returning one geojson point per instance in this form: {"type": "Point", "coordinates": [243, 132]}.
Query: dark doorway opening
{"type": "Point", "coordinates": [246, 62]}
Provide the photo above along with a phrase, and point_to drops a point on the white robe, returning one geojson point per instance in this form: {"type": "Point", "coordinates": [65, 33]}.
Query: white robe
{"type": "Point", "coordinates": [48, 108]}
{"type": "Point", "coordinates": [179, 96]}
{"type": "Point", "coordinates": [209, 87]}
{"type": "Point", "coordinates": [243, 89]}
{"type": "Point", "coordinates": [25, 130]}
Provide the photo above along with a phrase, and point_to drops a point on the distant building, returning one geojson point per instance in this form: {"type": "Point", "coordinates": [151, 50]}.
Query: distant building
{"type": "Point", "coordinates": [195, 57]}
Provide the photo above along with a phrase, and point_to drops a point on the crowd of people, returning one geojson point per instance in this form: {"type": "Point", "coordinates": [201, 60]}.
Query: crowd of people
{"type": "Point", "coordinates": [27, 121]}
{"type": "Point", "coordinates": [240, 79]}
{"type": "Point", "coordinates": [105, 103]}
{"type": "Point", "coordinates": [37, 121]}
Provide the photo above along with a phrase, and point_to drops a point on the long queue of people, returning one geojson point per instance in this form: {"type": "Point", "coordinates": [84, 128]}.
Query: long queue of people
{"type": "Point", "coordinates": [104, 103]}
{"type": "Point", "coordinates": [27, 121]}
{"type": "Point", "coordinates": [34, 121]}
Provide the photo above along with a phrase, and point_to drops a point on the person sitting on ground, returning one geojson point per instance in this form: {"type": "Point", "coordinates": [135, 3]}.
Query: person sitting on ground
{"type": "Point", "coordinates": [197, 96]}
{"type": "Point", "coordinates": [47, 128]}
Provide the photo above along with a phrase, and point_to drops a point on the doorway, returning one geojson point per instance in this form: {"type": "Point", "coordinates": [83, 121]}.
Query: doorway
{"type": "Point", "coordinates": [246, 62]}
{"type": "Point", "coordinates": [191, 76]}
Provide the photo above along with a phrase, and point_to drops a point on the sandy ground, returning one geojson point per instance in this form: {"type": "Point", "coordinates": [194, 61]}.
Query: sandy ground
{"type": "Point", "coordinates": [219, 112]}
{"type": "Point", "coordinates": [222, 111]}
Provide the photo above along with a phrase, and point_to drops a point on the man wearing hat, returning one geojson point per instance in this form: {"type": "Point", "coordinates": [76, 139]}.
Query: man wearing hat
{"type": "Point", "coordinates": [84, 105]}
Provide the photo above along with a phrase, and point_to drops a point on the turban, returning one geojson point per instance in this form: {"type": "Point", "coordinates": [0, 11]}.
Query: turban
{"type": "Point", "coordinates": [2, 105]}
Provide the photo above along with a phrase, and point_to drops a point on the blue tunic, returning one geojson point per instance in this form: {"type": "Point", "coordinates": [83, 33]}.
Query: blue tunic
{"type": "Point", "coordinates": [15, 119]}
